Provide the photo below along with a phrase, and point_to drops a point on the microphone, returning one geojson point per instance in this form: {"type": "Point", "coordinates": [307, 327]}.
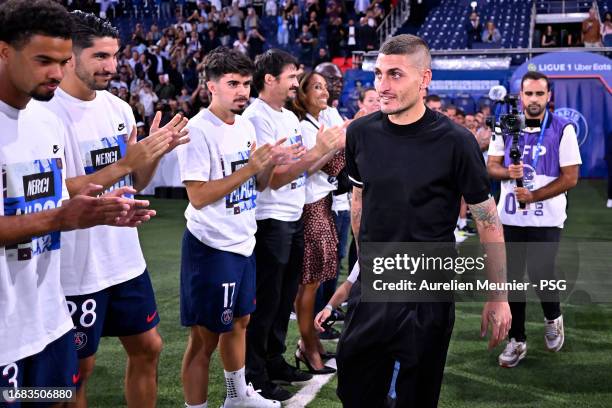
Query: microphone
{"type": "Point", "coordinates": [498, 93]}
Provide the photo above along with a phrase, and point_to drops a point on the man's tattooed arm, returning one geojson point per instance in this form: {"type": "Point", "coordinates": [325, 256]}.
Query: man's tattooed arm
{"type": "Point", "coordinates": [491, 235]}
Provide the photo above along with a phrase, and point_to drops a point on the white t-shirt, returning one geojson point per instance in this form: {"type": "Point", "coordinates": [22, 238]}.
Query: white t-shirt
{"type": "Point", "coordinates": [215, 151]}
{"type": "Point", "coordinates": [318, 185]}
{"type": "Point", "coordinates": [286, 203]}
{"type": "Point", "coordinates": [554, 153]}
{"type": "Point", "coordinates": [96, 258]}
{"type": "Point", "coordinates": [33, 310]}
{"type": "Point", "coordinates": [331, 117]}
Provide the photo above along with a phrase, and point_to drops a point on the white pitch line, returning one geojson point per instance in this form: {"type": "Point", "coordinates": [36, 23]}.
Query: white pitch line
{"type": "Point", "coordinates": [309, 392]}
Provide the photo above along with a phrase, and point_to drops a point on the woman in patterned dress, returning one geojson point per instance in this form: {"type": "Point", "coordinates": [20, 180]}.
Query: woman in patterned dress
{"type": "Point", "coordinates": [320, 238]}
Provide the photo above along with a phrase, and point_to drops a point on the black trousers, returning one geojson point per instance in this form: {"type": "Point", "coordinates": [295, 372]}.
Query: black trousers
{"type": "Point", "coordinates": [279, 254]}
{"type": "Point", "coordinates": [539, 260]}
{"type": "Point", "coordinates": [376, 335]}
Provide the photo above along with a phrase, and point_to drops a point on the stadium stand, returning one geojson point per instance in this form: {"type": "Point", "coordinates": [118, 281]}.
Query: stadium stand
{"type": "Point", "coordinates": [444, 28]}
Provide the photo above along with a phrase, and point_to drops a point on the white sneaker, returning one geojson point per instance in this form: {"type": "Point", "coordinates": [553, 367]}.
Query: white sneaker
{"type": "Point", "coordinates": [609, 203]}
{"type": "Point", "coordinates": [553, 333]}
{"type": "Point", "coordinates": [514, 352]}
{"type": "Point", "coordinates": [252, 399]}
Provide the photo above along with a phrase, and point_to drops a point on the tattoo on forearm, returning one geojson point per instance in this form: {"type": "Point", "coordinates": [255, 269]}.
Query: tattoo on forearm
{"type": "Point", "coordinates": [485, 215]}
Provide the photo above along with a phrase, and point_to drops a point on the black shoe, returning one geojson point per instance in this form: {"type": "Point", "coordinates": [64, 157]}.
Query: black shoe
{"type": "Point", "coordinates": [285, 374]}
{"type": "Point", "coordinates": [329, 334]}
{"type": "Point", "coordinates": [301, 358]}
{"type": "Point", "coordinates": [271, 391]}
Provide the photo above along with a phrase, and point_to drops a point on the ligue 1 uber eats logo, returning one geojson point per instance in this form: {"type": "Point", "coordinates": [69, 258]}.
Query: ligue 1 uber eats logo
{"type": "Point", "coordinates": [579, 121]}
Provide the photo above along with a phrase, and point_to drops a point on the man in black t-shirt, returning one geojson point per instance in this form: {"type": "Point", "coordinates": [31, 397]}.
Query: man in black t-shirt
{"type": "Point", "coordinates": [409, 167]}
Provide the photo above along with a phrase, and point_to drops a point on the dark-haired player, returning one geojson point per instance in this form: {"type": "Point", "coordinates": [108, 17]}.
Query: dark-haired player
{"type": "Point", "coordinates": [103, 271]}
{"type": "Point", "coordinates": [36, 337]}
{"type": "Point", "coordinates": [280, 230]}
{"type": "Point", "coordinates": [221, 168]}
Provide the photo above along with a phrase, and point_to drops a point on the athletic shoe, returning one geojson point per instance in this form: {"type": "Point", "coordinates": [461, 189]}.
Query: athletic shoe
{"type": "Point", "coordinates": [252, 399]}
{"type": "Point", "coordinates": [609, 203]}
{"type": "Point", "coordinates": [330, 334]}
{"type": "Point", "coordinates": [285, 374]}
{"type": "Point", "coordinates": [553, 333]}
{"type": "Point", "coordinates": [514, 352]}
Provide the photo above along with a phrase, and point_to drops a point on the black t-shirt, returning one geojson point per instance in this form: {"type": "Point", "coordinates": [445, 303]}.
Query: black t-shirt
{"type": "Point", "coordinates": [413, 176]}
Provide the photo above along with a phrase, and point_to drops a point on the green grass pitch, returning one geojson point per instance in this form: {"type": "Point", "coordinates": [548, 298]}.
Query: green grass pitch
{"type": "Point", "coordinates": [578, 376]}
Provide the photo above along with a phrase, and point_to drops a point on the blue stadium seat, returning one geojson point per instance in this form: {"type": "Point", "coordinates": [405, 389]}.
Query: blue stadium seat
{"type": "Point", "coordinates": [465, 103]}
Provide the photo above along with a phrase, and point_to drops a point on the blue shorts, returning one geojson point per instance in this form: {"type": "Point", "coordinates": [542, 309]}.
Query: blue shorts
{"type": "Point", "coordinates": [55, 366]}
{"type": "Point", "coordinates": [216, 286]}
{"type": "Point", "coordinates": [125, 309]}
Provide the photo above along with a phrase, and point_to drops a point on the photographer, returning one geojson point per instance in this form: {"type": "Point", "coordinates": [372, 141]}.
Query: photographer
{"type": "Point", "coordinates": [548, 168]}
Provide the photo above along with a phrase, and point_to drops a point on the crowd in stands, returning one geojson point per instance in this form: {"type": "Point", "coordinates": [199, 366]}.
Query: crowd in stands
{"type": "Point", "coordinates": [591, 33]}
{"type": "Point", "coordinates": [160, 65]}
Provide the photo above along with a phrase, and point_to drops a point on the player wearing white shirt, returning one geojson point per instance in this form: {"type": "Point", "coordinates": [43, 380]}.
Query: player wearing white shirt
{"type": "Point", "coordinates": [103, 271]}
{"type": "Point", "coordinates": [221, 169]}
{"type": "Point", "coordinates": [280, 238]}
{"type": "Point", "coordinates": [36, 337]}
{"type": "Point", "coordinates": [549, 168]}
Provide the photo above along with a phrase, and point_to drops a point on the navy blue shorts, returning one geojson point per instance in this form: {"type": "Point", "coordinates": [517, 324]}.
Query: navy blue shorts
{"type": "Point", "coordinates": [125, 309]}
{"type": "Point", "coordinates": [216, 286]}
{"type": "Point", "coordinates": [55, 366]}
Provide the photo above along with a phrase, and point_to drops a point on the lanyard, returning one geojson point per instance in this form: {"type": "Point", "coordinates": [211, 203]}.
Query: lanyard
{"type": "Point", "coordinates": [539, 145]}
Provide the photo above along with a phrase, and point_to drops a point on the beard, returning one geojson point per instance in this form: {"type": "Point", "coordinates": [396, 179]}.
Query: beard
{"type": "Point", "coordinates": [535, 110]}
{"type": "Point", "coordinates": [89, 79]}
{"type": "Point", "coordinates": [42, 97]}
{"type": "Point", "coordinates": [238, 111]}
{"type": "Point", "coordinates": [397, 111]}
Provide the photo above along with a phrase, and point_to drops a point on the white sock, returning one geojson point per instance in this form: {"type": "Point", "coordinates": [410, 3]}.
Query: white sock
{"type": "Point", "coordinates": [204, 405]}
{"type": "Point", "coordinates": [235, 383]}
{"type": "Point", "coordinates": [462, 222]}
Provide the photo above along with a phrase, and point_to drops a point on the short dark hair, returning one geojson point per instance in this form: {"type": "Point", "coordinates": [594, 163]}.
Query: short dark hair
{"type": "Point", "coordinates": [364, 91]}
{"type": "Point", "coordinates": [535, 75]}
{"type": "Point", "coordinates": [86, 27]}
{"type": "Point", "coordinates": [271, 62]}
{"type": "Point", "coordinates": [223, 60]}
{"type": "Point", "coordinates": [432, 98]}
{"type": "Point", "coordinates": [460, 112]}
{"type": "Point", "coordinates": [407, 44]}
{"type": "Point", "coordinates": [22, 19]}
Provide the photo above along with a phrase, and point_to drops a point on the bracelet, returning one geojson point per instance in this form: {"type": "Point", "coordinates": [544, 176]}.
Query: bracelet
{"type": "Point", "coordinates": [329, 307]}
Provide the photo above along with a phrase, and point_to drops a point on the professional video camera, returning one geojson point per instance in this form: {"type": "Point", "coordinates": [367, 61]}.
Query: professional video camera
{"type": "Point", "coordinates": [510, 124]}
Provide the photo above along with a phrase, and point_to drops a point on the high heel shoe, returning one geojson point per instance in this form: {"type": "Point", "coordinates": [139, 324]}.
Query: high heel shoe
{"type": "Point", "coordinates": [326, 355]}
{"type": "Point", "coordinates": [301, 358]}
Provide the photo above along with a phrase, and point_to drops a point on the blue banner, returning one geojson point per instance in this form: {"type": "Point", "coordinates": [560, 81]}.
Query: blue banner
{"type": "Point", "coordinates": [474, 83]}
{"type": "Point", "coordinates": [582, 92]}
